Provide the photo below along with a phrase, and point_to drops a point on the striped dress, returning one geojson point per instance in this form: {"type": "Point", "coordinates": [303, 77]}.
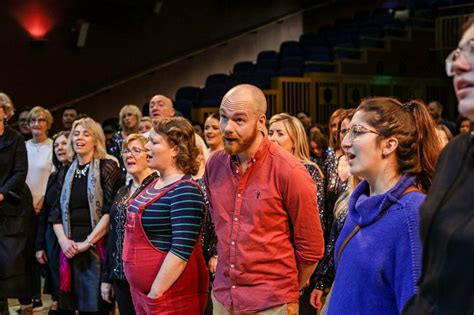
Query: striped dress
{"type": "Point", "coordinates": [173, 222]}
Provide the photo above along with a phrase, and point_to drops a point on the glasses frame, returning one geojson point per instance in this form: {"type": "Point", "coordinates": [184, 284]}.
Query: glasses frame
{"type": "Point", "coordinates": [361, 130]}
{"type": "Point", "coordinates": [466, 50]}
{"type": "Point", "coordinates": [134, 151]}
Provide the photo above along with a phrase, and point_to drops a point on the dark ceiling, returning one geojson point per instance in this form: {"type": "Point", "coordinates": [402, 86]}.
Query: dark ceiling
{"type": "Point", "coordinates": [124, 37]}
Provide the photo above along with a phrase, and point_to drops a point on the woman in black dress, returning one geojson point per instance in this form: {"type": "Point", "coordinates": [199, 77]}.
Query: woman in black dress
{"type": "Point", "coordinates": [81, 225]}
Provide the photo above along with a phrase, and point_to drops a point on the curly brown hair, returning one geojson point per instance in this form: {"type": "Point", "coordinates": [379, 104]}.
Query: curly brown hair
{"type": "Point", "coordinates": [418, 144]}
{"type": "Point", "coordinates": [180, 133]}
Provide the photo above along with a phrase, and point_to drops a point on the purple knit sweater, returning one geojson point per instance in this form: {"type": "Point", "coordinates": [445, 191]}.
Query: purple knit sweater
{"type": "Point", "coordinates": [379, 267]}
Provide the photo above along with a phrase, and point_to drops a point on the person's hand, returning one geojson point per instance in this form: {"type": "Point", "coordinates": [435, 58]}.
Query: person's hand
{"type": "Point", "coordinates": [38, 206]}
{"type": "Point", "coordinates": [315, 298]}
{"type": "Point", "coordinates": [212, 264]}
{"type": "Point", "coordinates": [41, 257]}
{"type": "Point", "coordinates": [83, 246]}
{"type": "Point", "coordinates": [153, 295]}
{"type": "Point", "coordinates": [107, 292]}
{"type": "Point", "coordinates": [2, 197]}
{"type": "Point", "coordinates": [69, 247]}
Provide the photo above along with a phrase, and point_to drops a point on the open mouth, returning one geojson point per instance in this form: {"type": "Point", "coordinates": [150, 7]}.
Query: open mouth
{"type": "Point", "coordinates": [350, 156]}
{"type": "Point", "coordinates": [463, 87]}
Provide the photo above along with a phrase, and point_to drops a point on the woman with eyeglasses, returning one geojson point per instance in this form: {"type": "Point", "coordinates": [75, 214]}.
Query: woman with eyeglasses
{"type": "Point", "coordinates": [447, 217]}
{"type": "Point", "coordinates": [40, 166]}
{"type": "Point", "coordinates": [162, 255]}
{"type": "Point", "coordinates": [393, 147]}
{"type": "Point", "coordinates": [336, 168]}
{"type": "Point", "coordinates": [135, 160]}
{"type": "Point", "coordinates": [16, 209]}
{"type": "Point", "coordinates": [81, 218]}
{"type": "Point", "coordinates": [325, 271]}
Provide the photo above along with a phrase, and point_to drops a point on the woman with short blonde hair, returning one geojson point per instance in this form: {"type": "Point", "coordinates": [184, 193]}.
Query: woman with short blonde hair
{"type": "Point", "coordinates": [7, 105]}
{"type": "Point", "coordinates": [129, 120]}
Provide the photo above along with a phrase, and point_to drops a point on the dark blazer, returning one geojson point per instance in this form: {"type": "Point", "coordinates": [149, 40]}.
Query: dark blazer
{"type": "Point", "coordinates": [16, 210]}
{"type": "Point", "coordinates": [446, 285]}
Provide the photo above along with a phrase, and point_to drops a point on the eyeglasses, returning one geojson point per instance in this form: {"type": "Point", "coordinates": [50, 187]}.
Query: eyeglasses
{"type": "Point", "coordinates": [343, 131]}
{"type": "Point", "coordinates": [466, 50]}
{"type": "Point", "coordinates": [358, 130]}
{"type": "Point", "coordinates": [133, 151]}
{"type": "Point", "coordinates": [37, 120]}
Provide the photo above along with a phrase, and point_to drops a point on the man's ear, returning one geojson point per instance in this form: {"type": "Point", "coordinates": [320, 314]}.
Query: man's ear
{"type": "Point", "coordinates": [261, 122]}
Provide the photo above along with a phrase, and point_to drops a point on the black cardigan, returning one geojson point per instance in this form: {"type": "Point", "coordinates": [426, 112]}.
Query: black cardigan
{"type": "Point", "coordinates": [111, 180]}
{"type": "Point", "coordinates": [16, 209]}
{"type": "Point", "coordinates": [447, 231]}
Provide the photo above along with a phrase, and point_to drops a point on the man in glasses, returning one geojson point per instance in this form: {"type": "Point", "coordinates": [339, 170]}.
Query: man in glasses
{"type": "Point", "coordinates": [447, 214]}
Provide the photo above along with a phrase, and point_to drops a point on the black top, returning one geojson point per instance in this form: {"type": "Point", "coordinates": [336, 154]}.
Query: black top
{"type": "Point", "coordinates": [447, 231]}
{"type": "Point", "coordinates": [110, 179]}
{"type": "Point", "coordinates": [79, 206]}
{"type": "Point", "coordinates": [51, 197]}
{"type": "Point", "coordinates": [113, 267]}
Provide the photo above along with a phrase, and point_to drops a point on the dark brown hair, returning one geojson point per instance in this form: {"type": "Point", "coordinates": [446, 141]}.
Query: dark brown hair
{"type": "Point", "coordinates": [65, 133]}
{"type": "Point", "coordinates": [179, 132]}
{"type": "Point", "coordinates": [418, 144]}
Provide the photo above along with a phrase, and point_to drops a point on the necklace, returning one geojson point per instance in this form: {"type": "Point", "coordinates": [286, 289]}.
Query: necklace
{"type": "Point", "coordinates": [81, 172]}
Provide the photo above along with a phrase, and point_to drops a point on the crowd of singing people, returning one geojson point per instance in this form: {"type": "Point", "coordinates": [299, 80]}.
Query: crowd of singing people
{"type": "Point", "coordinates": [247, 215]}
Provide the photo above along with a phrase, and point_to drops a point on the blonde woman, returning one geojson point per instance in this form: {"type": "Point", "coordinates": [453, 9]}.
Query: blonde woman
{"type": "Point", "coordinates": [213, 134]}
{"type": "Point", "coordinates": [288, 132]}
{"type": "Point", "coordinates": [129, 119]}
{"type": "Point", "coordinates": [82, 219]}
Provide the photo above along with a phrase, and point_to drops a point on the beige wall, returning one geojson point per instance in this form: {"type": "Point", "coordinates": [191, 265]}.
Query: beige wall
{"type": "Point", "coordinates": [192, 72]}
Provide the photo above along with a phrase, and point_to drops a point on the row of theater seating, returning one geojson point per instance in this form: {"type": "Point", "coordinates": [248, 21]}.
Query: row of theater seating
{"type": "Point", "coordinates": [312, 53]}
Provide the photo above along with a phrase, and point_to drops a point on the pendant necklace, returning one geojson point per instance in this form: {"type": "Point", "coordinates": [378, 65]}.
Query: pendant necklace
{"type": "Point", "coordinates": [81, 172]}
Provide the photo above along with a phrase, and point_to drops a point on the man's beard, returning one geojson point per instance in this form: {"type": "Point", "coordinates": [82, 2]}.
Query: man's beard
{"type": "Point", "coordinates": [240, 145]}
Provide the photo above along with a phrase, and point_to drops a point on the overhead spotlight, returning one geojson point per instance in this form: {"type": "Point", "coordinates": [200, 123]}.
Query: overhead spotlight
{"type": "Point", "coordinates": [80, 33]}
{"type": "Point", "coordinates": [158, 6]}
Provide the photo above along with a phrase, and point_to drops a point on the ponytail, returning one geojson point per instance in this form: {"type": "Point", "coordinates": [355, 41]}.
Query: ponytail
{"type": "Point", "coordinates": [418, 144]}
{"type": "Point", "coordinates": [428, 144]}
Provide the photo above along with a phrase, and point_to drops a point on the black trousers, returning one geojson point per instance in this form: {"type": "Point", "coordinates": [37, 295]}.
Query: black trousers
{"type": "Point", "coordinates": [123, 297]}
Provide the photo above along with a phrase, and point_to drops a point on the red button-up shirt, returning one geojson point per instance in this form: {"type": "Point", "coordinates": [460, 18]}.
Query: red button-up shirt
{"type": "Point", "coordinates": [266, 220]}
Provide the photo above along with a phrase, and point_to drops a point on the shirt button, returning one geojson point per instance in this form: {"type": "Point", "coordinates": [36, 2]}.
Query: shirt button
{"type": "Point", "coordinates": [232, 266]}
{"type": "Point", "coordinates": [238, 195]}
{"type": "Point", "coordinates": [233, 243]}
{"type": "Point", "coordinates": [233, 287]}
{"type": "Point", "coordinates": [235, 219]}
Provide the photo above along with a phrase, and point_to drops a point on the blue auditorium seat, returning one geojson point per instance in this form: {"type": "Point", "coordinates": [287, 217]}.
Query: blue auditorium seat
{"type": "Point", "coordinates": [211, 96]}
{"type": "Point", "coordinates": [189, 93]}
{"type": "Point", "coordinates": [291, 72]}
{"type": "Point", "coordinates": [244, 67]}
{"type": "Point", "coordinates": [217, 79]}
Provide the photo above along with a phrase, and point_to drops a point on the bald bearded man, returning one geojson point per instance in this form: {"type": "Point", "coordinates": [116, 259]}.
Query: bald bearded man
{"type": "Point", "coordinates": [264, 211]}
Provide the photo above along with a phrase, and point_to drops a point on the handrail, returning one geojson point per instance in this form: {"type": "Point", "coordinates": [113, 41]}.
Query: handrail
{"type": "Point", "coordinates": [189, 55]}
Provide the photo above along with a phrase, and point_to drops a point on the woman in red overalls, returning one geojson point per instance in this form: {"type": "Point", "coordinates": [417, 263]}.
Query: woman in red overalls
{"type": "Point", "coordinates": [162, 254]}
